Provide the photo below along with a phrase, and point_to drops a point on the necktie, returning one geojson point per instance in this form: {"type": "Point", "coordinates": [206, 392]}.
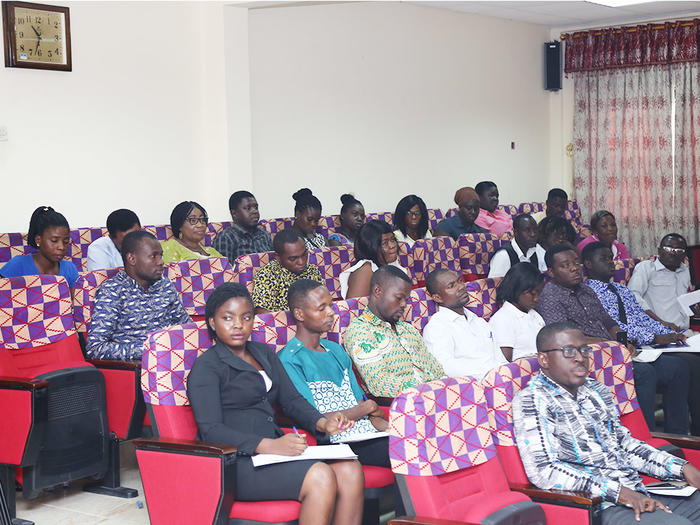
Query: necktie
{"type": "Point", "coordinates": [620, 306]}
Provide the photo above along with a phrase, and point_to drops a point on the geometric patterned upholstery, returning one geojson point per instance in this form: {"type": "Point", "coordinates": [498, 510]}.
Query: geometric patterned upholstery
{"type": "Point", "coordinates": [35, 310]}
{"type": "Point", "coordinates": [84, 295]}
{"type": "Point", "coordinates": [624, 269]}
{"type": "Point", "coordinates": [482, 297]}
{"type": "Point", "coordinates": [476, 250]}
{"type": "Point", "coordinates": [163, 232]}
{"type": "Point", "coordinates": [386, 216]}
{"type": "Point", "coordinates": [272, 226]}
{"type": "Point", "coordinates": [531, 207]}
{"type": "Point", "coordinates": [439, 427]}
{"type": "Point", "coordinates": [80, 239]}
{"type": "Point", "coordinates": [168, 357]}
{"type": "Point", "coordinates": [610, 364]}
{"type": "Point", "coordinates": [430, 254]}
{"type": "Point", "coordinates": [12, 244]}
{"type": "Point", "coordinates": [275, 329]}
{"type": "Point", "coordinates": [215, 228]}
{"type": "Point", "coordinates": [246, 266]}
{"type": "Point", "coordinates": [195, 280]}
{"type": "Point", "coordinates": [406, 260]}
{"type": "Point", "coordinates": [346, 311]}
{"type": "Point", "coordinates": [332, 261]}
{"type": "Point", "coordinates": [435, 215]}
{"type": "Point", "coordinates": [420, 308]}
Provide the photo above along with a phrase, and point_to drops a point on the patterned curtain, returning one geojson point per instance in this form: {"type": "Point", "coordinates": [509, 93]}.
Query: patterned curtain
{"type": "Point", "coordinates": [637, 129]}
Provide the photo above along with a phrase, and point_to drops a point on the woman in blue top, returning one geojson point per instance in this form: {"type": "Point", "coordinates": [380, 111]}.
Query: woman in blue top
{"type": "Point", "coordinates": [322, 372]}
{"type": "Point", "coordinates": [49, 233]}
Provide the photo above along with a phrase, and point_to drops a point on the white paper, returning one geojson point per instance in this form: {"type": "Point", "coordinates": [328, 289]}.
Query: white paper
{"type": "Point", "coordinates": [648, 355]}
{"type": "Point", "coordinates": [687, 300]}
{"type": "Point", "coordinates": [681, 492]}
{"type": "Point", "coordinates": [364, 437]}
{"type": "Point", "coordinates": [315, 452]}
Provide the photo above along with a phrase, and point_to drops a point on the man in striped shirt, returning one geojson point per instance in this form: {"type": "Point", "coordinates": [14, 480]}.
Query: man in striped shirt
{"type": "Point", "coordinates": [570, 438]}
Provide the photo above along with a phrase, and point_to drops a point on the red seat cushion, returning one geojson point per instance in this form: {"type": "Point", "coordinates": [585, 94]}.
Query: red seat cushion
{"type": "Point", "coordinates": [376, 477]}
{"type": "Point", "coordinates": [267, 511]}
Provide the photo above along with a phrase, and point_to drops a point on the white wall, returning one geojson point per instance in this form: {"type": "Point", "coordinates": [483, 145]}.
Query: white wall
{"type": "Point", "coordinates": [138, 123]}
{"type": "Point", "coordinates": [385, 99]}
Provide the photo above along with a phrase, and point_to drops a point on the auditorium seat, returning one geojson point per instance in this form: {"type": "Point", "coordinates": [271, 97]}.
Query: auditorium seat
{"type": "Point", "coordinates": [475, 252]}
{"type": "Point", "coordinates": [445, 461]}
{"type": "Point", "coordinates": [84, 295]}
{"type": "Point", "coordinates": [419, 309]}
{"type": "Point", "coordinates": [332, 261]}
{"type": "Point", "coordinates": [245, 267]}
{"type": "Point", "coordinates": [55, 427]}
{"type": "Point", "coordinates": [272, 226]}
{"type": "Point", "coordinates": [80, 240]}
{"type": "Point", "coordinates": [482, 297]}
{"type": "Point", "coordinates": [431, 254]}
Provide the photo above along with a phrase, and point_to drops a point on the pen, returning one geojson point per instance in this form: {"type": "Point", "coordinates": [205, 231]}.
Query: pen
{"type": "Point", "coordinates": [364, 397]}
{"type": "Point", "coordinates": [295, 430]}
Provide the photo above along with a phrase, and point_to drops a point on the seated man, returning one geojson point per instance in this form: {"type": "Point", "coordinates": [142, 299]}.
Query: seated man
{"type": "Point", "coordinates": [243, 236]}
{"type": "Point", "coordinates": [468, 201]}
{"type": "Point", "coordinates": [388, 352]}
{"type": "Point", "coordinates": [565, 299]}
{"type": "Point", "coordinates": [657, 284]}
{"type": "Point", "coordinates": [272, 282]}
{"type": "Point", "coordinates": [569, 436]}
{"type": "Point", "coordinates": [459, 339]}
{"type": "Point", "coordinates": [134, 302]}
{"type": "Point", "coordinates": [322, 372]}
{"type": "Point", "coordinates": [557, 201]}
{"type": "Point", "coordinates": [523, 248]}
{"type": "Point", "coordinates": [105, 252]}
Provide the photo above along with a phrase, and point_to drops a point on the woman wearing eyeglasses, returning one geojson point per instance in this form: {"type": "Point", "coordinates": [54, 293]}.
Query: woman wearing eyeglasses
{"type": "Point", "coordinates": [605, 230]}
{"type": "Point", "coordinates": [411, 220]}
{"type": "Point", "coordinates": [375, 246]}
{"type": "Point", "coordinates": [189, 223]}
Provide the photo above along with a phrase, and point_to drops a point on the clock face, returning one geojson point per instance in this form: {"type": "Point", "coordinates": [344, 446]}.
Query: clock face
{"type": "Point", "coordinates": [40, 36]}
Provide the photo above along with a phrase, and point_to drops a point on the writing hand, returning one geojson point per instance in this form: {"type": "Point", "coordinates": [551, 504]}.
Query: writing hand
{"type": "Point", "coordinates": [335, 423]}
{"type": "Point", "coordinates": [287, 445]}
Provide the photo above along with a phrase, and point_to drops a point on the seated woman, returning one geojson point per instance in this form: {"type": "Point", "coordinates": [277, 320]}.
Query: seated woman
{"type": "Point", "coordinates": [375, 246]}
{"type": "Point", "coordinates": [322, 372]}
{"type": "Point", "coordinates": [468, 202]}
{"type": "Point", "coordinates": [189, 223]}
{"type": "Point", "coordinates": [411, 220]}
{"type": "Point", "coordinates": [555, 230]}
{"type": "Point", "coordinates": [49, 233]}
{"type": "Point", "coordinates": [515, 325]}
{"type": "Point", "coordinates": [605, 230]}
{"type": "Point", "coordinates": [495, 221]}
{"type": "Point", "coordinates": [232, 389]}
{"type": "Point", "coordinates": [307, 212]}
{"type": "Point", "coordinates": [352, 217]}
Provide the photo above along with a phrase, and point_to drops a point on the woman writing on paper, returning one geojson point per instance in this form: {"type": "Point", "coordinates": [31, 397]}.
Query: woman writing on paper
{"type": "Point", "coordinates": [232, 388]}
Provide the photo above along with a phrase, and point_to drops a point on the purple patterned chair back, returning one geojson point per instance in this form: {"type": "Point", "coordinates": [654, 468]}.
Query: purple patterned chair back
{"type": "Point", "coordinates": [246, 266]}
{"type": "Point", "coordinates": [80, 240]}
{"type": "Point", "coordinates": [482, 297]}
{"type": "Point", "coordinates": [439, 427]}
{"type": "Point", "coordinates": [531, 207]}
{"type": "Point", "coordinates": [407, 260]}
{"type": "Point", "coordinates": [84, 295]}
{"type": "Point", "coordinates": [332, 261]}
{"type": "Point", "coordinates": [347, 310]}
{"type": "Point", "coordinates": [419, 309]}
{"type": "Point", "coordinates": [272, 226]}
{"type": "Point", "coordinates": [431, 254]}
{"type": "Point", "coordinates": [275, 329]}
{"type": "Point", "coordinates": [435, 215]}
{"type": "Point", "coordinates": [195, 280]}
{"type": "Point", "coordinates": [476, 250]}
{"type": "Point", "coordinates": [12, 244]}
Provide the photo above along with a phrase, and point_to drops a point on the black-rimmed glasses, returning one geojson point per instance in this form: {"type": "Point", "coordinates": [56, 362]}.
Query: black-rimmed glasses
{"type": "Point", "coordinates": [570, 351]}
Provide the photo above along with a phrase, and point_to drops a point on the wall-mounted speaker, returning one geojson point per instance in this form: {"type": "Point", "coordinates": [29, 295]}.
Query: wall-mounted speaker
{"type": "Point", "coordinates": [552, 65]}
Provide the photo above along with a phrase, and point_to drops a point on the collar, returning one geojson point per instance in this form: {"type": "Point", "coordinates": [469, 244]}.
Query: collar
{"type": "Point", "coordinates": [294, 345]}
{"type": "Point", "coordinates": [519, 251]}
{"type": "Point", "coordinates": [571, 291]}
{"type": "Point", "coordinates": [517, 312]}
{"type": "Point", "coordinates": [287, 272]}
{"type": "Point", "coordinates": [556, 389]}
{"type": "Point", "coordinates": [452, 316]}
{"type": "Point", "coordinates": [225, 355]}
{"type": "Point", "coordinates": [658, 265]}
{"type": "Point", "coordinates": [132, 283]}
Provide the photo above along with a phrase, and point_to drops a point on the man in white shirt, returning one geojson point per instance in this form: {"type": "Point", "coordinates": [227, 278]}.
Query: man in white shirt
{"type": "Point", "coordinates": [459, 339]}
{"type": "Point", "coordinates": [523, 248]}
{"type": "Point", "coordinates": [105, 252]}
{"type": "Point", "coordinates": [657, 284]}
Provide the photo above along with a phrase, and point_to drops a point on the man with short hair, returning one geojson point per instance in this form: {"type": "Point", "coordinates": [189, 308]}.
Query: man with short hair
{"type": "Point", "coordinates": [105, 252]}
{"type": "Point", "coordinates": [388, 352]}
{"type": "Point", "coordinates": [570, 438]}
{"type": "Point", "coordinates": [565, 299]}
{"type": "Point", "coordinates": [468, 204]}
{"type": "Point", "coordinates": [459, 339]}
{"type": "Point", "coordinates": [657, 284]}
{"type": "Point", "coordinates": [557, 201]}
{"type": "Point", "coordinates": [322, 372]}
{"type": "Point", "coordinates": [244, 235]}
{"type": "Point", "coordinates": [271, 283]}
{"type": "Point", "coordinates": [523, 248]}
{"type": "Point", "coordinates": [133, 303]}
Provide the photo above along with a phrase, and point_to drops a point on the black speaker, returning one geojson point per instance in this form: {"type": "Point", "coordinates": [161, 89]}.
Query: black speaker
{"type": "Point", "coordinates": [552, 65]}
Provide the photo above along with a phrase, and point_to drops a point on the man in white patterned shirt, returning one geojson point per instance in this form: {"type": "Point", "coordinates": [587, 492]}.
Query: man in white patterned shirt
{"type": "Point", "coordinates": [570, 438]}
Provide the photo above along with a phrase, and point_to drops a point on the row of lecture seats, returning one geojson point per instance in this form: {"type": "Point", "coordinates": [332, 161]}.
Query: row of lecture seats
{"type": "Point", "coordinates": [40, 362]}
{"type": "Point", "coordinates": [12, 244]}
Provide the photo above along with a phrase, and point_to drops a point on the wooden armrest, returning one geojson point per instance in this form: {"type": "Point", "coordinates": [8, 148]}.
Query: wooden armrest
{"type": "Point", "coordinates": [418, 520]}
{"type": "Point", "coordinates": [679, 440]}
{"type": "Point", "coordinates": [580, 498]}
{"type": "Point", "coordinates": [185, 445]}
{"type": "Point", "coordinates": [22, 383]}
{"type": "Point", "coordinates": [115, 365]}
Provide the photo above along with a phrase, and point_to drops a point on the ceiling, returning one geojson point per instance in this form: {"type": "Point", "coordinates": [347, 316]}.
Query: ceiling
{"type": "Point", "coordinates": [572, 14]}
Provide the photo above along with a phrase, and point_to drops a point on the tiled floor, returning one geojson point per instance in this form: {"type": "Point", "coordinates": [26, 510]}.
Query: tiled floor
{"type": "Point", "coordinates": [72, 506]}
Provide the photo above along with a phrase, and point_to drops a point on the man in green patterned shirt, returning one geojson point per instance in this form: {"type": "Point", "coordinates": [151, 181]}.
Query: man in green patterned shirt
{"type": "Point", "coordinates": [388, 352]}
{"type": "Point", "coordinates": [272, 282]}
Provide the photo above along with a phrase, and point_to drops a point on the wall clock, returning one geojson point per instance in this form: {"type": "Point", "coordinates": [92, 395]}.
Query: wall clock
{"type": "Point", "coordinates": [36, 36]}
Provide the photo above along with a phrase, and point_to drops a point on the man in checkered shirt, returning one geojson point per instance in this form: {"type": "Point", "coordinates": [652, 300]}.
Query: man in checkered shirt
{"type": "Point", "coordinates": [570, 438]}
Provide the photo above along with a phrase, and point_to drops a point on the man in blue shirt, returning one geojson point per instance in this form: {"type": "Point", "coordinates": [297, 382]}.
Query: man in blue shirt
{"type": "Point", "coordinates": [133, 303]}
{"type": "Point", "coordinates": [622, 306]}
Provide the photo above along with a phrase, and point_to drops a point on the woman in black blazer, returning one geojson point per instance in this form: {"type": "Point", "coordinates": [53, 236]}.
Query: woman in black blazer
{"type": "Point", "coordinates": [232, 387]}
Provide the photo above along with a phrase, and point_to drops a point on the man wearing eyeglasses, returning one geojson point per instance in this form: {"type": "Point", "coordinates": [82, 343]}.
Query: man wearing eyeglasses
{"type": "Point", "coordinates": [657, 284]}
{"type": "Point", "coordinates": [570, 438]}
